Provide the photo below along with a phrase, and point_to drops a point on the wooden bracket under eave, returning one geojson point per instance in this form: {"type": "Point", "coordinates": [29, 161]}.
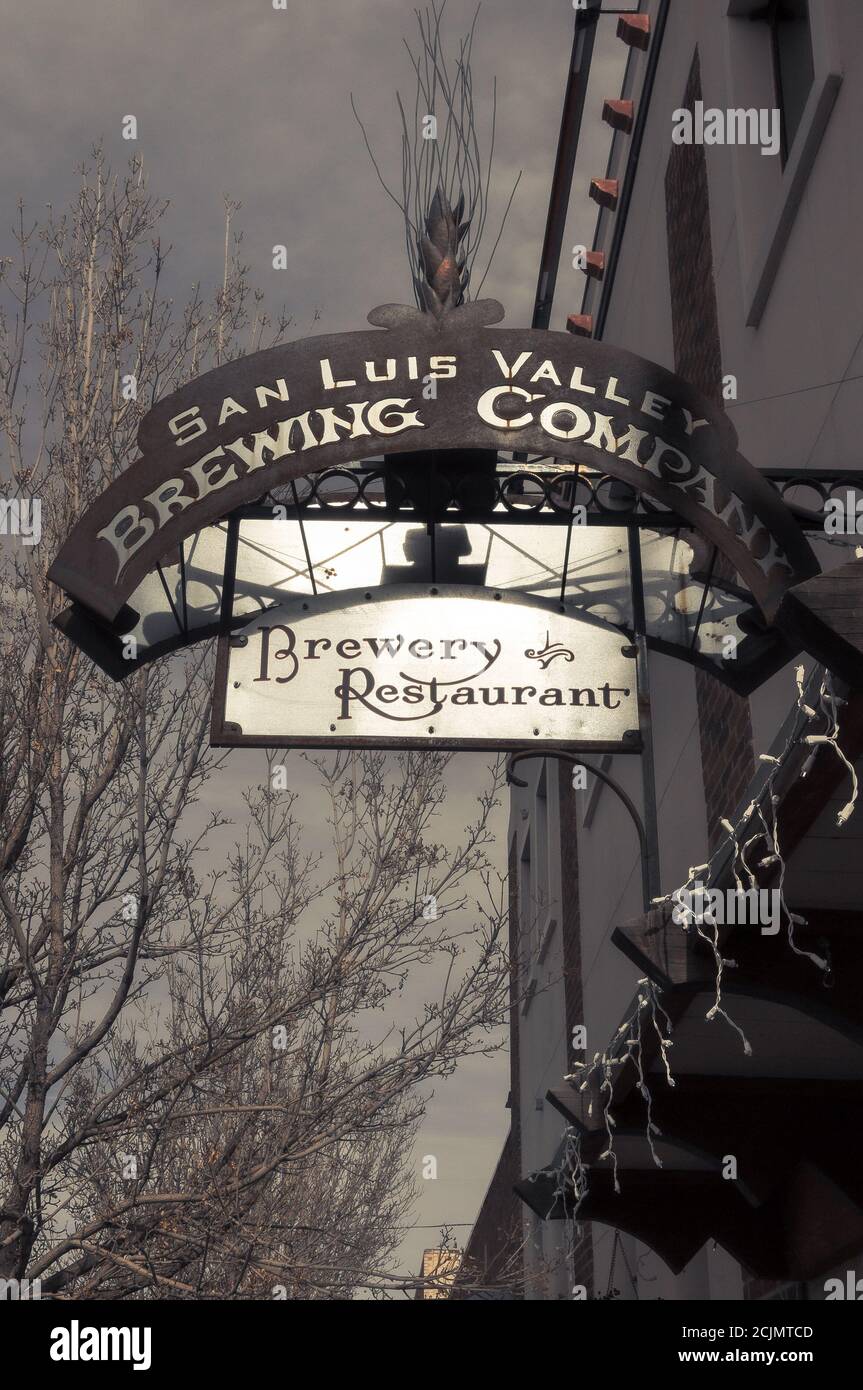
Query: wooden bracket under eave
{"type": "Point", "coordinates": [825, 615]}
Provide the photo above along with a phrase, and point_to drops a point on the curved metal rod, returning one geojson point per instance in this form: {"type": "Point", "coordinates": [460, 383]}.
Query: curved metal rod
{"type": "Point", "coordinates": [575, 761]}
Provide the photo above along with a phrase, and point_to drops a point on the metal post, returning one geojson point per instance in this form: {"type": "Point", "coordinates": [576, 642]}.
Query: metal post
{"type": "Point", "coordinates": [229, 580]}
{"type": "Point", "coordinates": [645, 719]}
{"type": "Point", "coordinates": [565, 574]}
{"type": "Point", "coordinates": [583, 40]}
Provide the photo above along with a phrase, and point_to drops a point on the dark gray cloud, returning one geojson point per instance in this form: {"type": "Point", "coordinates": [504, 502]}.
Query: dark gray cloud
{"type": "Point", "coordinates": [232, 96]}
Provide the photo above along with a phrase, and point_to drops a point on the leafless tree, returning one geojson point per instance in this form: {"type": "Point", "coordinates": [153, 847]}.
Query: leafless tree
{"type": "Point", "coordinates": [207, 1087]}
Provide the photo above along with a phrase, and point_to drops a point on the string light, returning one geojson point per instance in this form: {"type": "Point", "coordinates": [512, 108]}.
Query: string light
{"type": "Point", "coordinates": [571, 1174]}
{"type": "Point", "coordinates": [627, 1045]}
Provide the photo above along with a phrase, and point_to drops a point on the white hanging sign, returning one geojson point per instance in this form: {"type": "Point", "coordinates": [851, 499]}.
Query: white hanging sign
{"type": "Point", "coordinates": [406, 666]}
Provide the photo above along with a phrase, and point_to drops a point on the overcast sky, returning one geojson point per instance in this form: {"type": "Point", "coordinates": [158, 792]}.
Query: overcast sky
{"type": "Point", "coordinates": [235, 97]}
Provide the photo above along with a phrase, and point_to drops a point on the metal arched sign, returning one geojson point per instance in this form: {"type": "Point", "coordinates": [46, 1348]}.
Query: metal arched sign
{"type": "Point", "coordinates": [424, 384]}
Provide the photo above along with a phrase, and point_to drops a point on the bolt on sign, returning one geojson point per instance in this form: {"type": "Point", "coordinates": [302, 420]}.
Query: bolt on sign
{"type": "Point", "coordinates": [405, 666]}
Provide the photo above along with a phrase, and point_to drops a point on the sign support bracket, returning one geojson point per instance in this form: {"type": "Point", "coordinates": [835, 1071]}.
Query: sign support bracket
{"type": "Point", "coordinates": [226, 614]}
{"type": "Point", "coordinates": [650, 867]}
{"type": "Point", "coordinates": [629, 805]}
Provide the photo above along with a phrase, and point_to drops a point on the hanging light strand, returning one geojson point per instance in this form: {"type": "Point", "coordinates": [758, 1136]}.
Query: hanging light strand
{"type": "Point", "coordinates": [572, 1174]}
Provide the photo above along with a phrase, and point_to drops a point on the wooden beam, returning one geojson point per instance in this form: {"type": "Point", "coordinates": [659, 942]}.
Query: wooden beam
{"type": "Point", "coordinates": [825, 614]}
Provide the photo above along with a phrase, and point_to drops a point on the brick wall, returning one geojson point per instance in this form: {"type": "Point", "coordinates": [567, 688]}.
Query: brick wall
{"type": "Point", "coordinates": [514, 992]}
{"type": "Point", "coordinates": [493, 1255]}
{"type": "Point", "coordinates": [582, 1270]}
{"type": "Point", "coordinates": [570, 912]}
{"type": "Point", "coordinates": [724, 723]}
